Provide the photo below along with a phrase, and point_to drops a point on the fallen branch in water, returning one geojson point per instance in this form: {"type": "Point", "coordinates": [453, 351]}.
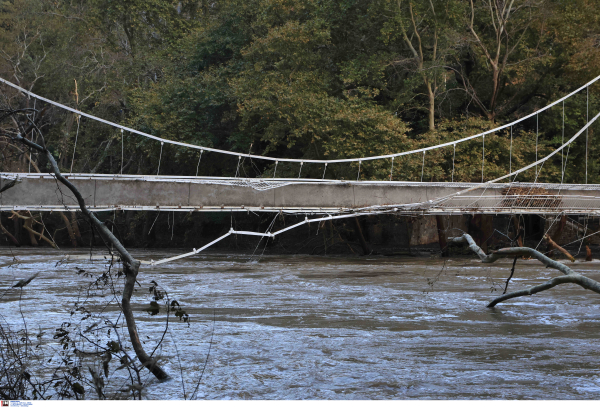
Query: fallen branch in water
{"type": "Point", "coordinates": [512, 273]}
{"type": "Point", "coordinates": [569, 275]}
{"type": "Point", "coordinates": [552, 245]}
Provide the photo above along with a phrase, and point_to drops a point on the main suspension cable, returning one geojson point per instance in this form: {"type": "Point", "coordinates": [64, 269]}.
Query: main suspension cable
{"type": "Point", "coordinates": [26, 92]}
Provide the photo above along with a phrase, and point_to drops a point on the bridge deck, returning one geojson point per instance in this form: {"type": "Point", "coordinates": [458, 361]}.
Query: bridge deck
{"type": "Point", "coordinates": [40, 192]}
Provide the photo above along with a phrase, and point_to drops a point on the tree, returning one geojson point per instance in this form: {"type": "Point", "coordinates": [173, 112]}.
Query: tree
{"type": "Point", "coordinates": [131, 265]}
{"type": "Point", "coordinates": [427, 30]}
{"type": "Point", "coordinates": [299, 79]}
{"type": "Point", "coordinates": [506, 38]}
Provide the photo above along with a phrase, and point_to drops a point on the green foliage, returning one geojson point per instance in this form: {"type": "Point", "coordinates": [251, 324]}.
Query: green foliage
{"type": "Point", "coordinates": [307, 79]}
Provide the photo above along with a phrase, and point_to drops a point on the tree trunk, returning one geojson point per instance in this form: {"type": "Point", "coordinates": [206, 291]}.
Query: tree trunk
{"type": "Point", "coordinates": [27, 226]}
{"type": "Point", "coordinates": [9, 235]}
{"type": "Point", "coordinates": [131, 272]}
{"type": "Point", "coordinates": [482, 225]}
{"type": "Point", "coordinates": [69, 229]}
{"type": "Point", "coordinates": [518, 231]}
{"type": "Point", "coordinates": [33, 233]}
{"type": "Point", "coordinates": [17, 228]}
{"type": "Point", "coordinates": [442, 235]}
{"type": "Point", "coordinates": [561, 227]}
{"type": "Point", "coordinates": [431, 96]}
{"type": "Point", "coordinates": [496, 88]}
{"type": "Point", "coordinates": [75, 227]}
{"type": "Point", "coordinates": [557, 233]}
{"type": "Point", "coordinates": [363, 243]}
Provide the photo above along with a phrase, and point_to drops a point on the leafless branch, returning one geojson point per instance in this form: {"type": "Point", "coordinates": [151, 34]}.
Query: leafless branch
{"type": "Point", "coordinates": [131, 265]}
{"type": "Point", "coordinates": [569, 275]}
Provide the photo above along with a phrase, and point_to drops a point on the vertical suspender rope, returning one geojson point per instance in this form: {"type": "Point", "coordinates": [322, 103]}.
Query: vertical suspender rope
{"type": "Point", "coordinates": [482, 157]}
{"type": "Point", "coordinates": [300, 172]}
{"type": "Point", "coordinates": [75, 146]}
{"type": "Point", "coordinates": [537, 128]}
{"type": "Point", "coordinates": [392, 170]}
{"type": "Point", "coordinates": [33, 121]}
{"type": "Point", "coordinates": [587, 120]}
{"type": "Point", "coordinates": [562, 152]}
{"type": "Point", "coordinates": [358, 176]}
{"type": "Point", "coordinates": [510, 152]}
{"type": "Point", "coordinates": [160, 156]}
{"type": "Point", "coordinates": [275, 171]}
{"type": "Point", "coordinates": [198, 166]}
{"type": "Point", "coordinates": [30, 150]}
{"type": "Point", "coordinates": [237, 170]}
{"type": "Point", "coordinates": [423, 166]}
{"type": "Point", "coordinates": [562, 170]}
{"type": "Point", "coordinates": [122, 148]}
{"type": "Point", "coordinates": [324, 169]}
{"type": "Point", "coordinates": [453, 158]}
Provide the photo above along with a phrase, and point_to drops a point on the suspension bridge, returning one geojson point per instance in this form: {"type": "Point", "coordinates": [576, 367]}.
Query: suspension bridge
{"type": "Point", "coordinates": [334, 199]}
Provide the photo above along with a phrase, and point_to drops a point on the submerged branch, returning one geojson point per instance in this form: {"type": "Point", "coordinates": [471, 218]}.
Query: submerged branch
{"type": "Point", "coordinates": [569, 275]}
{"type": "Point", "coordinates": [512, 273]}
{"type": "Point", "coordinates": [575, 278]}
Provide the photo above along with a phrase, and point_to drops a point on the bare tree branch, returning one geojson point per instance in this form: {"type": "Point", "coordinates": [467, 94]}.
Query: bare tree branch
{"type": "Point", "coordinates": [131, 265]}
{"type": "Point", "coordinates": [569, 275]}
{"type": "Point", "coordinates": [553, 245]}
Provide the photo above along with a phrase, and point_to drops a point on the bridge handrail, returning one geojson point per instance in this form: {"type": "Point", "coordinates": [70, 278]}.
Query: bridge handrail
{"type": "Point", "coordinates": [260, 157]}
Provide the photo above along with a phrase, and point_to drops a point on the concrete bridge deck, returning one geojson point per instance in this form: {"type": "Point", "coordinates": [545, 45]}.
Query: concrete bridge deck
{"type": "Point", "coordinates": [41, 192]}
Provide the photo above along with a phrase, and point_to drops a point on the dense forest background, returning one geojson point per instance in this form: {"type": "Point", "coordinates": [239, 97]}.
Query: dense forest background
{"type": "Point", "coordinates": [307, 79]}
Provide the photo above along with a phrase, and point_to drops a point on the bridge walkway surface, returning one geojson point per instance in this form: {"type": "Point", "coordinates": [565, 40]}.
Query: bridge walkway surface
{"type": "Point", "coordinates": [42, 192]}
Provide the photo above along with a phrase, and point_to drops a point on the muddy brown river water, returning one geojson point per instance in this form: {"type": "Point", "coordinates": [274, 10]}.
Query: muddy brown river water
{"type": "Point", "coordinates": [302, 327]}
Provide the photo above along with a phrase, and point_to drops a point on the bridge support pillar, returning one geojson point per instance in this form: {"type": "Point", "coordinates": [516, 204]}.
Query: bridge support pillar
{"type": "Point", "coordinates": [481, 229]}
{"type": "Point", "coordinates": [441, 227]}
{"type": "Point", "coordinates": [423, 231]}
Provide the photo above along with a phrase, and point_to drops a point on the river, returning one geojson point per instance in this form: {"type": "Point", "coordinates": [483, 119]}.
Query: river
{"type": "Point", "coordinates": [306, 327]}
